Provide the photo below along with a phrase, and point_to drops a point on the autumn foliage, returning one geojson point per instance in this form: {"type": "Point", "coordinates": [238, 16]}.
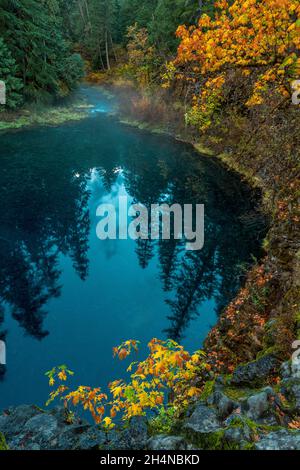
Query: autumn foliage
{"type": "Point", "coordinates": [168, 377]}
{"type": "Point", "coordinates": [240, 333]}
{"type": "Point", "coordinates": [259, 40]}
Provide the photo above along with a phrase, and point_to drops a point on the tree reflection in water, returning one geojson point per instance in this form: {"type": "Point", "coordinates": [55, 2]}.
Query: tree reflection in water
{"type": "Point", "coordinates": [45, 186]}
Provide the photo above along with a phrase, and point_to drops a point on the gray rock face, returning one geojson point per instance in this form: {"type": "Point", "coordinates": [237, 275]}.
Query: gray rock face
{"type": "Point", "coordinates": [203, 420]}
{"type": "Point", "coordinates": [216, 423]}
{"type": "Point", "coordinates": [35, 433]}
{"type": "Point", "coordinates": [46, 426]}
{"type": "Point", "coordinates": [15, 418]}
{"type": "Point", "coordinates": [240, 432]}
{"type": "Point", "coordinates": [83, 437]}
{"type": "Point", "coordinates": [280, 440]}
{"type": "Point", "coordinates": [224, 405]}
{"type": "Point", "coordinates": [290, 372]}
{"type": "Point", "coordinates": [93, 438]}
{"type": "Point", "coordinates": [28, 428]}
{"type": "Point", "coordinates": [296, 369]}
{"type": "Point", "coordinates": [134, 437]}
{"type": "Point", "coordinates": [255, 371]}
{"type": "Point", "coordinates": [258, 405]}
{"type": "Point", "coordinates": [295, 392]}
{"type": "Point", "coordinates": [70, 435]}
{"type": "Point", "coordinates": [285, 370]}
{"type": "Point", "coordinates": [163, 442]}
{"type": "Point", "coordinates": [237, 435]}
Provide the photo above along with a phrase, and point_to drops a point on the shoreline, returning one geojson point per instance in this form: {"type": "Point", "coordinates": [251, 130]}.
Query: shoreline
{"type": "Point", "coordinates": [43, 115]}
{"type": "Point", "coordinates": [251, 404]}
{"type": "Point", "coordinates": [272, 272]}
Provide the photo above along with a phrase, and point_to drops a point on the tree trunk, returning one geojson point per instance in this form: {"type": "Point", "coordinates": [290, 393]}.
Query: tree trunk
{"type": "Point", "coordinates": [81, 12]}
{"type": "Point", "coordinates": [107, 50]}
{"type": "Point", "coordinates": [88, 15]}
{"type": "Point", "coordinates": [113, 48]}
{"type": "Point", "coordinates": [87, 9]}
{"type": "Point", "coordinates": [100, 54]}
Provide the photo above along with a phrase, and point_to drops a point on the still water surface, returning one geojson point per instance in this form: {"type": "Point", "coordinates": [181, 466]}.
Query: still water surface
{"type": "Point", "coordinates": [67, 297]}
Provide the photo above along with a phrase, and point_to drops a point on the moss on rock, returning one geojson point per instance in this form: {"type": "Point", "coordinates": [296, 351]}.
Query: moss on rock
{"type": "Point", "coordinates": [212, 441]}
{"type": "Point", "coordinates": [3, 445]}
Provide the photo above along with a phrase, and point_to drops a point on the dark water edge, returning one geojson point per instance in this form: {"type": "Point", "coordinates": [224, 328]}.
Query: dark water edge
{"type": "Point", "coordinates": [69, 298]}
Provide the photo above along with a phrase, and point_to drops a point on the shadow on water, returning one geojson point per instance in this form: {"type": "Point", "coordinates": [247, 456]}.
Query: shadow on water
{"type": "Point", "coordinates": [51, 181]}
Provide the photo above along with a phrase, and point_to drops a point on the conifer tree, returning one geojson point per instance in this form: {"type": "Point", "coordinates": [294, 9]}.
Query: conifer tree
{"type": "Point", "coordinates": [8, 74]}
{"type": "Point", "coordinates": [33, 32]}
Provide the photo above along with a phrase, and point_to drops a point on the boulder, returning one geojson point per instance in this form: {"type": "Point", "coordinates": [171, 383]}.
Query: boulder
{"type": "Point", "coordinates": [279, 440]}
{"type": "Point", "coordinates": [92, 439]}
{"type": "Point", "coordinates": [296, 368]}
{"type": "Point", "coordinates": [134, 437]}
{"type": "Point", "coordinates": [237, 435]}
{"type": "Point", "coordinates": [163, 442]}
{"type": "Point", "coordinates": [203, 420]}
{"type": "Point", "coordinates": [37, 433]}
{"type": "Point", "coordinates": [256, 371]}
{"type": "Point", "coordinates": [29, 428]}
{"type": "Point", "coordinates": [13, 420]}
{"type": "Point", "coordinates": [83, 437]}
{"type": "Point", "coordinates": [224, 405]}
{"type": "Point", "coordinates": [295, 393]}
{"type": "Point", "coordinates": [291, 369]}
{"type": "Point", "coordinates": [285, 370]}
{"type": "Point", "coordinates": [259, 405]}
{"type": "Point", "coordinates": [238, 429]}
{"type": "Point", "coordinates": [290, 385]}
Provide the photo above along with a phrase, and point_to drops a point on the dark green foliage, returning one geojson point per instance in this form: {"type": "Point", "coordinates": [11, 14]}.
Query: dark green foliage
{"type": "Point", "coordinates": [33, 31]}
{"type": "Point", "coordinates": [103, 31]}
{"type": "Point", "coordinates": [168, 15]}
{"type": "Point", "coordinates": [162, 18]}
{"type": "Point", "coordinates": [45, 38]}
{"type": "Point", "coordinates": [94, 27]}
{"type": "Point", "coordinates": [136, 11]}
{"type": "Point", "coordinates": [71, 71]}
{"type": "Point", "coordinates": [8, 74]}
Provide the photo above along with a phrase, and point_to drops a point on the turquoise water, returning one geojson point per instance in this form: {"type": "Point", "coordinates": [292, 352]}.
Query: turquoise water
{"type": "Point", "coordinates": [67, 297]}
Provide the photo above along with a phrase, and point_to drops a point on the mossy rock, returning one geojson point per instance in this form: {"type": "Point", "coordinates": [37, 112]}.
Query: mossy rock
{"type": "Point", "coordinates": [3, 445]}
{"type": "Point", "coordinates": [237, 393]}
{"type": "Point", "coordinates": [253, 426]}
{"type": "Point", "coordinates": [207, 390]}
{"type": "Point", "coordinates": [212, 441]}
{"type": "Point", "coordinates": [204, 150]}
{"type": "Point", "coordinates": [249, 446]}
{"type": "Point", "coordinates": [255, 373]}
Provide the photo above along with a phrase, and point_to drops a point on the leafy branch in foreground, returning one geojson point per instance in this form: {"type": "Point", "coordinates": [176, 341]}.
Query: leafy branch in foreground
{"type": "Point", "coordinates": [166, 380]}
